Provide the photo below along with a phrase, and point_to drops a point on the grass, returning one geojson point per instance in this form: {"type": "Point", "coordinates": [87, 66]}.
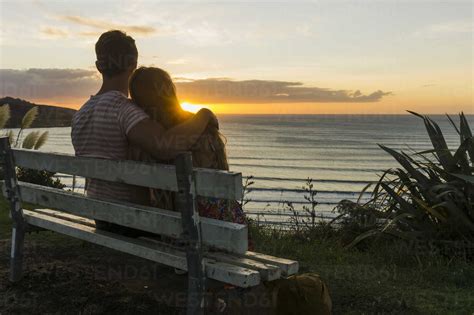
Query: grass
{"type": "Point", "coordinates": [40, 239]}
{"type": "Point", "coordinates": [384, 277]}
{"type": "Point", "coordinates": [5, 223]}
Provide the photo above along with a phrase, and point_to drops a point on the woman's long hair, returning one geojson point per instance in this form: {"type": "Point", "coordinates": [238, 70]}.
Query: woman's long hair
{"type": "Point", "coordinates": [153, 90]}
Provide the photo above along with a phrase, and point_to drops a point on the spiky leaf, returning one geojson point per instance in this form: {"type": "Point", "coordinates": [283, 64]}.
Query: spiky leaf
{"type": "Point", "coordinates": [454, 125]}
{"type": "Point", "coordinates": [10, 136]}
{"type": "Point", "coordinates": [41, 140]}
{"type": "Point", "coordinates": [406, 164]}
{"type": "Point", "coordinates": [4, 115]}
{"type": "Point", "coordinates": [466, 133]}
{"type": "Point", "coordinates": [29, 118]}
{"type": "Point", "coordinates": [30, 140]}
{"type": "Point", "coordinates": [439, 143]}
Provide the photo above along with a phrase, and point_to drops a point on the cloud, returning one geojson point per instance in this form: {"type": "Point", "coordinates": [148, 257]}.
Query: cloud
{"type": "Point", "coordinates": [447, 28]}
{"type": "Point", "coordinates": [180, 61]}
{"type": "Point", "coordinates": [102, 26]}
{"type": "Point", "coordinates": [54, 84]}
{"type": "Point", "coordinates": [53, 32]}
{"type": "Point", "coordinates": [203, 34]}
{"type": "Point", "coordinates": [224, 90]}
{"type": "Point", "coordinates": [61, 84]}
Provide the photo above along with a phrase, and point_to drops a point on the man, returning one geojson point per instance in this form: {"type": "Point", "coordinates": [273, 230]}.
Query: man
{"type": "Point", "coordinates": [109, 123]}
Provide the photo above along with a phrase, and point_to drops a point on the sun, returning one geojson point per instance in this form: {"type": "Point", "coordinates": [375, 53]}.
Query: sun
{"type": "Point", "coordinates": [193, 108]}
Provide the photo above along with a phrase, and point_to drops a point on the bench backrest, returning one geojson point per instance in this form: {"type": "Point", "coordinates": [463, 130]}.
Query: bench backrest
{"type": "Point", "coordinates": [210, 183]}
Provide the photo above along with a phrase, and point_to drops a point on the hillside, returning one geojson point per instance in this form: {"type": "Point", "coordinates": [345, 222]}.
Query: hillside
{"type": "Point", "coordinates": [48, 116]}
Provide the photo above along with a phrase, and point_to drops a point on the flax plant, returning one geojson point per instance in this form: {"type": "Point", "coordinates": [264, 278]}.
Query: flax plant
{"type": "Point", "coordinates": [430, 196]}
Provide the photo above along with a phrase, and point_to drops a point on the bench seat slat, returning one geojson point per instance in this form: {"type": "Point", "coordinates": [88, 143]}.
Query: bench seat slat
{"type": "Point", "coordinates": [220, 234]}
{"type": "Point", "coordinates": [235, 275]}
{"type": "Point", "coordinates": [288, 267]}
{"type": "Point", "coordinates": [267, 271]}
{"type": "Point", "coordinates": [66, 216]}
{"type": "Point", "coordinates": [209, 182]}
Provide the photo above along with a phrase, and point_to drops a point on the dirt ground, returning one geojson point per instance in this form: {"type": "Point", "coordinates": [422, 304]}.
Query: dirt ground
{"type": "Point", "coordinates": [67, 276]}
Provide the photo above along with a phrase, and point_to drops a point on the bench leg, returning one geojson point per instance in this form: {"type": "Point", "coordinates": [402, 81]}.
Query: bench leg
{"type": "Point", "coordinates": [16, 212]}
{"type": "Point", "coordinates": [185, 201]}
{"type": "Point", "coordinates": [16, 259]}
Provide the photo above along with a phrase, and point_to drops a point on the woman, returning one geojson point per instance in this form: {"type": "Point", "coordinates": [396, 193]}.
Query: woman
{"type": "Point", "coordinates": [154, 91]}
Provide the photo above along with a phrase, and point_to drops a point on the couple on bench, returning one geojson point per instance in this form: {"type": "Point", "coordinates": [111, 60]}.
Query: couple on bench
{"type": "Point", "coordinates": [151, 126]}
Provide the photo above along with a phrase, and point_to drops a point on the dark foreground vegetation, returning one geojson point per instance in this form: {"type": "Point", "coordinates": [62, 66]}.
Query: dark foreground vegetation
{"type": "Point", "coordinates": [63, 275]}
{"type": "Point", "coordinates": [384, 277]}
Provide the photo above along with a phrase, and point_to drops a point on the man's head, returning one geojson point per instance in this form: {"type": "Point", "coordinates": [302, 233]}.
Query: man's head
{"type": "Point", "coordinates": [116, 54]}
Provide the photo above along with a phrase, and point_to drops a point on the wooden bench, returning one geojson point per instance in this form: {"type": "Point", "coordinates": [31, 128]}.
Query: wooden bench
{"type": "Point", "coordinates": [211, 248]}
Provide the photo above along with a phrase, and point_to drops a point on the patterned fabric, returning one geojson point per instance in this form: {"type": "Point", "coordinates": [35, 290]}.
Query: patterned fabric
{"type": "Point", "coordinates": [214, 208]}
{"type": "Point", "coordinates": [99, 129]}
{"type": "Point", "coordinates": [208, 207]}
{"type": "Point", "coordinates": [224, 210]}
{"type": "Point", "coordinates": [221, 209]}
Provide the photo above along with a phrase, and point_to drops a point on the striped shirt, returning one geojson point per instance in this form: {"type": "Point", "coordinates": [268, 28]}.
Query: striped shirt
{"type": "Point", "coordinates": [99, 129]}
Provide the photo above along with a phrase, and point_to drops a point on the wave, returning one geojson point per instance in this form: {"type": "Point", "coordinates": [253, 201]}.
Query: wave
{"type": "Point", "coordinates": [274, 201]}
{"type": "Point", "coordinates": [312, 146]}
{"type": "Point", "coordinates": [231, 158]}
{"type": "Point", "coordinates": [365, 170]}
{"type": "Point", "coordinates": [301, 191]}
{"type": "Point", "coordinates": [314, 180]}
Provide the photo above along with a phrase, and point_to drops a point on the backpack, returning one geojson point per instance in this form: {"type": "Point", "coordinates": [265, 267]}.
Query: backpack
{"type": "Point", "coordinates": [302, 294]}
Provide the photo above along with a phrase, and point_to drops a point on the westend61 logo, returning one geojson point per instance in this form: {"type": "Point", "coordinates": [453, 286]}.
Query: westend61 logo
{"type": "Point", "coordinates": [27, 300]}
{"type": "Point", "coordinates": [127, 272]}
{"type": "Point", "coordinates": [363, 272]}
{"type": "Point", "coordinates": [32, 247]}
{"type": "Point", "coordinates": [246, 300]}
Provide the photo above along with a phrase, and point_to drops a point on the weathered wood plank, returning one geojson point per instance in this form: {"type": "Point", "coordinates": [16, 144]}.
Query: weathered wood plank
{"type": "Point", "coordinates": [12, 192]}
{"type": "Point", "coordinates": [191, 223]}
{"type": "Point", "coordinates": [267, 271]}
{"type": "Point", "coordinates": [287, 266]}
{"type": "Point", "coordinates": [223, 235]}
{"type": "Point", "coordinates": [238, 276]}
{"type": "Point", "coordinates": [211, 183]}
{"type": "Point", "coordinates": [66, 216]}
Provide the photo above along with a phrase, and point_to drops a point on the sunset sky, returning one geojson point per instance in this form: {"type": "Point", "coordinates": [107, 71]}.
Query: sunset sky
{"type": "Point", "coordinates": [273, 57]}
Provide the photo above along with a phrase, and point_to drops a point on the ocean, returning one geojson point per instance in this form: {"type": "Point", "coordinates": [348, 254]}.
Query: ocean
{"type": "Point", "coordinates": [338, 152]}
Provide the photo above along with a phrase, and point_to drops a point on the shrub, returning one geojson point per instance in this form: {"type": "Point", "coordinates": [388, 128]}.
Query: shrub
{"type": "Point", "coordinates": [43, 178]}
{"type": "Point", "coordinates": [430, 197]}
{"type": "Point", "coordinates": [34, 140]}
